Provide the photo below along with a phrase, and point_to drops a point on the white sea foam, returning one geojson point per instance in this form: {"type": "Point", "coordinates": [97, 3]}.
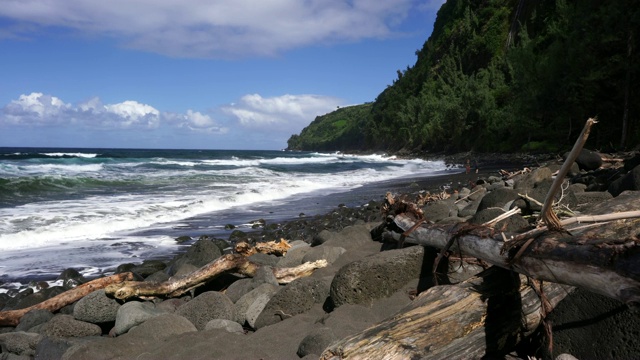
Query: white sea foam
{"type": "Point", "coordinates": [51, 169]}
{"type": "Point", "coordinates": [94, 231]}
{"type": "Point", "coordinates": [80, 155]}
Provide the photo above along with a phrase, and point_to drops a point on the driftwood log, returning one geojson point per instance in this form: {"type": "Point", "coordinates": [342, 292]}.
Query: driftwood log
{"type": "Point", "coordinates": [12, 317]}
{"type": "Point", "coordinates": [120, 286]}
{"type": "Point", "coordinates": [230, 262]}
{"type": "Point", "coordinates": [486, 315]}
{"type": "Point", "coordinates": [604, 259]}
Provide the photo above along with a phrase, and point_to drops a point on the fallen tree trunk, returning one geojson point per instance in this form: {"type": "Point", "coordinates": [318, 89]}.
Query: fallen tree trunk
{"type": "Point", "coordinates": [486, 315]}
{"type": "Point", "coordinates": [178, 286]}
{"type": "Point", "coordinates": [601, 261]}
{"type": "Point", "coordinates": [12, 317]}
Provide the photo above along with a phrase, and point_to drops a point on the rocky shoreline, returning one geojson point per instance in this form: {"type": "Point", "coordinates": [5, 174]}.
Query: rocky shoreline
{"type": "Point", "coordinates": [366, 281]}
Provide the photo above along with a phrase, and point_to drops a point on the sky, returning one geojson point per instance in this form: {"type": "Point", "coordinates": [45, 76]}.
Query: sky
{"type": "Point", "coordinates": [195, 74]}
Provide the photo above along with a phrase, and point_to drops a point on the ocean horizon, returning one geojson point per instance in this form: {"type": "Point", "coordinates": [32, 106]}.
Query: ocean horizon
{"type": "Point", "coordinates": [93, 209]}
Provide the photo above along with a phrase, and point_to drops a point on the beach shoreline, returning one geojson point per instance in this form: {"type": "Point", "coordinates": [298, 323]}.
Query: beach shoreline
{"type": "Point", "coordinates": [302, 219]}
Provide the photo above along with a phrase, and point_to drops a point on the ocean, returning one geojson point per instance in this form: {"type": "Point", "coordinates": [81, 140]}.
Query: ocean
{"type": "Point", "coordinates": [93, 209]}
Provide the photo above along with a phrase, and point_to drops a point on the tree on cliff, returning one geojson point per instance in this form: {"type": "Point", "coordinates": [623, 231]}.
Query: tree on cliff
{"type": "Point", "coordinates": [505, 75]}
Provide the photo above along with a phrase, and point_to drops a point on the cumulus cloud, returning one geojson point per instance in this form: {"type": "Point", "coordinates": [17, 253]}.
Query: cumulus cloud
{"type": "Point", "coordinates": [195, 121]}
{"type": "Point", "coordinates": [37, 109]}
{"type": "Point", "coordinates": [286, 113]}
{"type": "Point", "coordinates": [222, 28]}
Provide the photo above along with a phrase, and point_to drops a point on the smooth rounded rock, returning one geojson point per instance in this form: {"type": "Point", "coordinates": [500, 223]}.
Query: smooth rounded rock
{"type": "Point", "coordinates": [377, 276]}
{"type": "Point", "coordinates": [513, 223]}
{"type": "Point", "coordinates": [294, 256]}
{"type": "Point", "coordinates": [497, 198]}
{"type": "Point", "coordinates": [162, 326]}
{"type": "Point", "coordinates": [264, 275]}
{"type": "Point", "coordinates": [34, 318]}
{"type": "Point", "coordinates": [207, 306]}
{"type": "Point", "coordinates": [316, 341]}
{"type": "Point", "coordinates": [240, 287]}
{"type": "Point", "coordinates": [132, 314]}
{"type": "Point", "coordinates": [68, 326]}
{"type": "Point", "coordinates": [326, 252]}
{"type": "Point", "coordinates": [96, 308]}
{"type": "Point", "coordinates": [227, 325]}
{"type": "Point", "coordinates": [20, 343]}
{"type": "Point", "coordinates": [295, 298]}
{"type": "Point", "coordinates": [243, 304]}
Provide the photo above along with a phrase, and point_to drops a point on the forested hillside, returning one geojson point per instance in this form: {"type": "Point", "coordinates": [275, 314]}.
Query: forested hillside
{"type": "Point", "coordinates": [504, 75]}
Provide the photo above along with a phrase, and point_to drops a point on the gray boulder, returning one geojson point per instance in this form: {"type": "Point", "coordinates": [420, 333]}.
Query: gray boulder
{"type": "Point", "coordinates": [295, 298]}
{"type": "Point", "coordinates": [264, 275]}
{"type": "Point", "coordinates": [632, 162]}
{"type": "Point", "coordinates": [96, 308]}
{"type": "Point", "coordinates": [68, 326]}
{"type": "Point", "coordinates": [264, 259]}
{"type": "Point", "coordinates": [255, 309]}
{"type": "Point", "coordinates": [202, 252]}
{"type": "Point", "coordinates": [377, 276]}
{"type": "Point", "coordinates": [207, 306]}
{"type": "Point", "coordinates": [53, 348]}
{"type": "Point", "coordinates": [148, 267]}
{"type": "Point", "coordinates": [140, 339]}
{"type": "Point", "coordinates": [34, 318]}
{"type": "Point", "coordinates": [316, 341]}
{"type": "Point", "coordinates": [158, 276]}
{"type": "Point", "coordinates": [20, 343]}
{"type": "Point", "coordinates": [325, 252]}
{"type": "Point", "coordinates": [513, 223]}
{"type": "Point", "coordinates": [477, 193]}
{"type": "Point", "coordinates": [631, 181]}
{"type": "Point", "coordinates": [161, 326]}
{"type": "Point", "coordinates": [439, 210]}
{"type": "Point", "coordinates": [243, 304]}
{"type": "Point", "coordinates": [498, 198]}
{"type": "Point", "coordinates": [322, 237]}
{"type": "Point", "coordinates": [468, 209]}
{"type": "Point", "coordinates": [227, 325]}
{"type": "Point", "coordinates": [238, 288]}
{"type": "Point", "coordinates": [133, 314]}
{"type": "Point", "coordinates": [181, 269]}
{"type": "Point", "coordinates": [351, 237]}
{"type": "Point", "coordinates": [587, 160]}
{"type": "Point", "coordinates": [530, 180]}
{"type": "Point", "coordinates": [591, 197]}
{"type": "Point", "coordinates": [294, 256]}
{"type": "Point", "coordinates": [593, 326]}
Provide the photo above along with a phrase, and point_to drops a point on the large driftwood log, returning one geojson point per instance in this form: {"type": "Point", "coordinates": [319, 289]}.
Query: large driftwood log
{"type": "Point", "coordinates": [604, 260]}
{"type": "Point", "coordinates": [12, 317]}
{"type": "Point", "coordinates": [486, 315]}
{"type": "Point", "coordinates": [178, 286]}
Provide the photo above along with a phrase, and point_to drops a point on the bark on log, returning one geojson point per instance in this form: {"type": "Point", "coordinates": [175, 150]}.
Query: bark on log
{"type": "Point", "coordinates": [486, 315]}
{"type": "Point", "coordinates": [12, 317]}
{"type": "Point", "coordinates": [178, 286]}
{"type": "Point", "coordinates": [601, 261]}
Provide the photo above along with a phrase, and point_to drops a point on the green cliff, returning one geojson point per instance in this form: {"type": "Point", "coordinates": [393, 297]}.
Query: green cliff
{"type": "Point", "coordinates": [504, 75]}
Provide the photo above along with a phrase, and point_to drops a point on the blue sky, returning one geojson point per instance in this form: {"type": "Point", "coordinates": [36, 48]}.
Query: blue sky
{"type": "Point", "coordinates": [202, 74]}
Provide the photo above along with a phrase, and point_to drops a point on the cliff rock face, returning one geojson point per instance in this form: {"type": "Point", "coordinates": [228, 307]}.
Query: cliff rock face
{"type": "Point", "coordinates": [503, 75]}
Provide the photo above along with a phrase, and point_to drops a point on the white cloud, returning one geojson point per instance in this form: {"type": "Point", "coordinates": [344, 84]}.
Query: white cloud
{"type": "Point", "coordinates": [253, 121]}
{"type": "Point", "coordinates": [132, 112]}
{"type": "Point", "coordinates": [37, 109]}
{"type": "Point", "coordinates": [222, 28]}
{"type": "Point", "coordinates": [287, 113]}
{"type": "Point", "coordinates": [195, 121]}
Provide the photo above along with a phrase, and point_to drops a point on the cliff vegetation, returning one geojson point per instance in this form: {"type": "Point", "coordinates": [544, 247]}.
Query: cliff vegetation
{"type": "Point", "coordinates": [503, 75]}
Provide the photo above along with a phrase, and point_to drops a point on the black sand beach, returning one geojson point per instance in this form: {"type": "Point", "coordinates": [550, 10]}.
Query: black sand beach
{"type": "Point", "coordinates": [233, 317]}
